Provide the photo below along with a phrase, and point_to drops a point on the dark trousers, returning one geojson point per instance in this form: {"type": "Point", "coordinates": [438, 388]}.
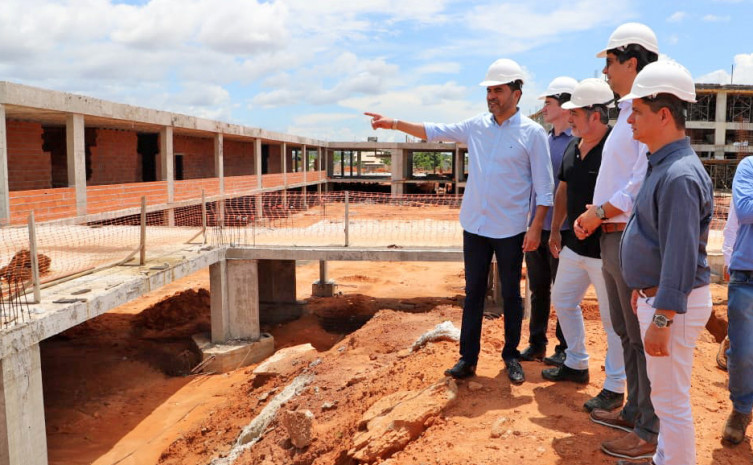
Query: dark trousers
{"type": "Point", "coordinates": [477, 255]}
{"type": "Point", "coordinates": [638, 407]}
{"type": "Point", "coordinates": [541, 267]}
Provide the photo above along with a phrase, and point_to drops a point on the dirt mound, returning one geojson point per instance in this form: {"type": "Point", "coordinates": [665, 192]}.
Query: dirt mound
{"type": "Point", "coordinates": [182, 314]}
{"type": "Point", "coordinates": [19, 266]}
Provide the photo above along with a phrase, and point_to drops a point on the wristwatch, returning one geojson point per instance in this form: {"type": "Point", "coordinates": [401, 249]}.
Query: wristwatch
{"type": "Point", "coordinates": [601, 213]}
{"type": "Point", "coordinates": [661, 321]}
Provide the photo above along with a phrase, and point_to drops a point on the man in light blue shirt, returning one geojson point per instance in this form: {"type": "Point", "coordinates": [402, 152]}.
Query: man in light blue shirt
{"type": "Point", "coordinates": [508, 157]}
{"type": "Point", "coordinates": [740, 307]}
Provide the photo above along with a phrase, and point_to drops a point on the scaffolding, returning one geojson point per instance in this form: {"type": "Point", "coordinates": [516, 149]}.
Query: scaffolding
{"type": "Point", "coordinates": [739, 108]}
{"type": "Point", "coordinates": [704, 109]}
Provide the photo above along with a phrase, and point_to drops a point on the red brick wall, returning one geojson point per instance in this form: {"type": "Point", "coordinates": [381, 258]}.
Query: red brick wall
{"type": "Point", "coordinates": [47, 204]}
{"type": "Point", "coordinates": [274, 165]}
{"type": "Point", "coordinates": [115, 158]}
{"type": "Point", "coordinates": [198, 156]}
{"type": "Point", "coordinates": [28, 166]}
{"type": "Point", "coordinates": [239, 158]}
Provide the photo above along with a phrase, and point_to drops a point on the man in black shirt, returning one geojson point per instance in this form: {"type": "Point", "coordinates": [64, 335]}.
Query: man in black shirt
{"type": "Point", "coordinates": [580, 260]}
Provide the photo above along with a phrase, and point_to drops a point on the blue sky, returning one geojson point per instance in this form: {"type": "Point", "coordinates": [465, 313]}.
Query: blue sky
{"type": "Point", "coordinates": [311, 67]}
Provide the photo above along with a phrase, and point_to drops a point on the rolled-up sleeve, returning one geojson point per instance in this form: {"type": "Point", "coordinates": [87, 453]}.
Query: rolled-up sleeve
{"type": "Point", "coordinates": [624, 197]}
{"type": "Point", "coordinates": [729, 234]}
{"type": "Point", "coordinates": [541, 168]}
{"type": "Point", "coordinates": [679, 237]}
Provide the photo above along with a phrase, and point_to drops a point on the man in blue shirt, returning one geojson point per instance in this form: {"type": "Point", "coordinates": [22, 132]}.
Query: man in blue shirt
{"type": "Point", "coordinates": [740, 307]}
{"type": "Point", "coordinates": [508, 156]}
{"type": "Point", "coordinates": [663, 252]}
{"type": "Point", "coordinates": [541, 265]}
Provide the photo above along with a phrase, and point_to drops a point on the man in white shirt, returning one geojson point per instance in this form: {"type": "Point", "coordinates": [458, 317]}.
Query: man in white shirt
{"type": "Point", "coordinates": [508, 156]}
{"type": "Point", "coordinates": [623, 168]}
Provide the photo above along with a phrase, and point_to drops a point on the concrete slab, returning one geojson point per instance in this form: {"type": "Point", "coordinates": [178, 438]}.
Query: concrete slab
{"type": "Point", "coordinates": [233, 354]}
{"type": "Point", "coordinates": [287, 361]}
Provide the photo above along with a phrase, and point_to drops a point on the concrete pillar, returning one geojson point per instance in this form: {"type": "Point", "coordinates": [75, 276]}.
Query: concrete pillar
{"type": "Point", "coordinates": [219, 172]}
{"type": "Point", "coordinates": [76, 146]}
{"type": "Point", "coordinates": [358, 164]}
{"type": "Point", "coordinates": [277, 291]}
{"type": "Point", "coordinates": [720, 125]}
{"type": "Point", "coordinates": [258, 199]}
{"type": "Point", "coordinates": [257, 153]}
{"type": "Point", "coordinates": [167, 164]}
{"type": "Point", "coordinates": [284, 153]}
{"type": "Point", "coordinates": [305, 163]}
{"type": "Point", "coordinates": [4, 189]}
{"type": "Point", "coordinates": [323, 287]}
{"type": "Point", "coordinates": [234, 300]}
{"type": "Point", "coordinates": [23, 439]}
{"type": "Point", "coordinates": [397, 157]}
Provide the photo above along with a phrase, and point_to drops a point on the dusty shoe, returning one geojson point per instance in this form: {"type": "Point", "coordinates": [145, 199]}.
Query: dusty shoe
{"type": "Point", "coordinates": [605, 400]}
{"type": "Point", "coordinates": [461, 370]}
{"type": "Point", "coordinates": [556, 360]}
{"type": "Point", "coordinates": [721, 355]}
{"type": "Point", "coordinates": [630, 446]}
{"type": "Point", "coordinates": [532, 354]}
{"type": "Point", "coordinates": [515, 372]}
{"type": "Point", "coordinates": [565, 373]}
{"type": "Point", "coordinates": [734, 429]}
{"type": "Point", "coordinates": [611, 419]}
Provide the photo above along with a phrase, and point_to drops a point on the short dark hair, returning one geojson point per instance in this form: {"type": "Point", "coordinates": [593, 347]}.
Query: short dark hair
{"type": "Point", "coordinates": [601, 109]}
{"type": "Point", "coordinates": [561, 98]}
{"type": "Point", "coordinates": [639, 52]}
{"type": "Point", "coordinates": [516, 85]}
{"type": "Point", "coordinates": [677, 108]}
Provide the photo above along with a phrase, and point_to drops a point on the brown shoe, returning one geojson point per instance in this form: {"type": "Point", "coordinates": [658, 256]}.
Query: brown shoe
{"type": "Point", "coordinates": [630, 447]}
{"type": "Point", "coordinates": [612, 419]}
{"type": "Point", "coordinates": [734, 429]}
{"type": "Point", "coordinates": [721, 355]}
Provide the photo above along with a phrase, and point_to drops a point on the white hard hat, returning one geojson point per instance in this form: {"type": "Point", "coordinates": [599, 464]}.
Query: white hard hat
{"type": "Point", "coordinates": [632, 33]}
{"type": "Point", "coordinates": [663, 77]}
{"type": "Point", "coordinates": [589, 92]}
{"type": "Point", "coordinates": [559, 85]}
{"type": "Point", "coordinates": [502, 71]}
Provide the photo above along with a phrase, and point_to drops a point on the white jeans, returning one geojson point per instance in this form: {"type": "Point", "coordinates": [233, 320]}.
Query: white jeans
{"type": "Point", "coordinates": [574, 274]}
{"type": "Point", "coordinates": [670, 378]}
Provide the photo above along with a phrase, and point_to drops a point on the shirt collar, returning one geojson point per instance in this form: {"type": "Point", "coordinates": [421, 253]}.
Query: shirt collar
{"type": "Point", "coordinates": [567, 132]}
{"type": "Point", "coordinates": [626, 105]}
{"type": "Point", "coordinates": [666, 151]}
{"type": "Point", "coordinates": [515, 117]}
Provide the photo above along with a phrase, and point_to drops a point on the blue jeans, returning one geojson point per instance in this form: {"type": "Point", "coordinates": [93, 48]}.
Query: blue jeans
{"type": "Point", "coordinates": [740, 352]}
{"type": "Point", "coordinates": [477, 255]}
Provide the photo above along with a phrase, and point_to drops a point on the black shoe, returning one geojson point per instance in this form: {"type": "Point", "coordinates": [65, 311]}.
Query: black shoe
{"type": "Point", "coordinates": [531, 354]}
{"type": "Point", "coordinates": [461, 370]}
{"type": "Point", "coordinates": [556, 360]}
{"type": "Point", "coordinates": [515, 372]}
{"type": "Point", "coordinates": [565, 373]}
{"type": "Point", "coordinates": [605, 400]}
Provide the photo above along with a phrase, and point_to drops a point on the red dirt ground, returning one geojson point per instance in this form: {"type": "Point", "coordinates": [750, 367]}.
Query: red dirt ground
{"type": "Point", "coordinates": [131, 402]}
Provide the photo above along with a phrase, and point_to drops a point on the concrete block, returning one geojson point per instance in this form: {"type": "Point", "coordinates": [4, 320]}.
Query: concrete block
{"type": "Point", "coordinates": [233, 354]}
{"type": "Point", "coordinates": [319, 289]}
{"type": "Point", "coordinates": [286, 361]}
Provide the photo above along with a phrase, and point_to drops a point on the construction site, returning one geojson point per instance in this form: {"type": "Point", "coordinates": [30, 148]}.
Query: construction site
{"type": "Point", "coordinates": [177, 290]}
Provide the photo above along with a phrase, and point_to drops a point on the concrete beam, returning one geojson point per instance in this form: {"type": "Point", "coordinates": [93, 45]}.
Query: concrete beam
{"type": "Point", "coordinates": [76, 146]}
{"type": "Point", "coordinates": [23, 439]}
{"type": "Point", "coordinates": [106, 290]}
{"type": "Point", "coordinates": [346, 254]}
{"type": "Point", "coordinates": [4, 189]}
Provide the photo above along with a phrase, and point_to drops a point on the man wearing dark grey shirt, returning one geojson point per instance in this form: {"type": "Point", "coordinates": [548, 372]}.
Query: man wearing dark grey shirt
{"type": "Point", "coordinates": [663, 252]}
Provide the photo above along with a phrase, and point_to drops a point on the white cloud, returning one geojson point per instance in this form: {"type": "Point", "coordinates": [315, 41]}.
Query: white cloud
{"type": "Point", "coordinates": [743, 72]}
{"type": "Point", "coordinates": [677, 17]}
{"type": "Point", "coordinates": [674, 39]}
{"type": "Point", "coordinates": [715, 19]}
